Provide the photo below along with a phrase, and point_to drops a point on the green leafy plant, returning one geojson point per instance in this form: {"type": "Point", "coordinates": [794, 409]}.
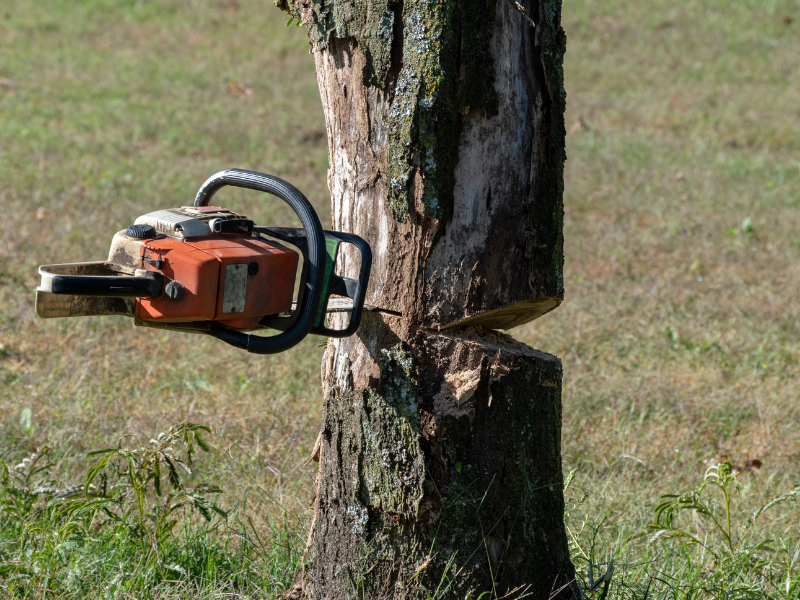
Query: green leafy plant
{"type": "Point", "coordinates": [158, 465]}
{"type": "Point", "coordinates": [727, 554]}
{"type": "Point", "coordinates": [719, 479]}
{"type": "Point", "coordinates": [134, 526]}
{"type": "Point", "coordinates": [701, 544]}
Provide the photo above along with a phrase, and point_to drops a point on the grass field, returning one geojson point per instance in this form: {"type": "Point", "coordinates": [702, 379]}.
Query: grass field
{"type": "Point", "coordinates": [679, 335]}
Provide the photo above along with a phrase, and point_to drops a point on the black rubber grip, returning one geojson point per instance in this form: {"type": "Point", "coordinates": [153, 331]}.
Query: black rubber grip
{"type": "Point", "coordinates": [316, 253]}
{"type": "Point", "coordinates": [109, 287]}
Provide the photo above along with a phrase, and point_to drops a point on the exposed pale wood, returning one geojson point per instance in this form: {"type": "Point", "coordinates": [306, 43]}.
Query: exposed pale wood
{"type": "Point", "coordinates": [508, 317]}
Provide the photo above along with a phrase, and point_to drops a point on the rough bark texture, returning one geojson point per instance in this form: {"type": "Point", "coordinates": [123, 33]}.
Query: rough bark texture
{"type": "Point", "coordinates": [440, 468]}
{"type": "Point", "coordinates": [440, 465]}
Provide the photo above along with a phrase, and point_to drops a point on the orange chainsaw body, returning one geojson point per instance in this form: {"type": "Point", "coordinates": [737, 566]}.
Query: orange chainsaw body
{"type": "Point", "coordinates": [210, 266]}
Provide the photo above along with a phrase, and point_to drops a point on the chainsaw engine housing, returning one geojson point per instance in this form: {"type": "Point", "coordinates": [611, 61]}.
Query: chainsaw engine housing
{"type": "Point", "coordinates": [234, 279]}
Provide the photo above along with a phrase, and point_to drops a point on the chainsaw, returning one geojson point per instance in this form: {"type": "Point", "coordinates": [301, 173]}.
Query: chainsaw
{"type": "Point", "coordinates": [206, 269]}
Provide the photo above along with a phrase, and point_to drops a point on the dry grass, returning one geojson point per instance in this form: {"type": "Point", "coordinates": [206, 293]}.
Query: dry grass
{"type": "Point", "coordinates": [684, 122]}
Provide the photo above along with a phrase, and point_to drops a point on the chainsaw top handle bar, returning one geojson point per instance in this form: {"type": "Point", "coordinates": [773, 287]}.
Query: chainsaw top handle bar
{"type": "Point", "coordinates": [316, 257]}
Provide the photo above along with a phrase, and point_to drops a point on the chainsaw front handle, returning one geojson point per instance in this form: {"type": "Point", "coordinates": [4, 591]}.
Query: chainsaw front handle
{"type": "Point", "coordinates": [98, 279]}
{"type": "Point", "coordinates": [317, 256]}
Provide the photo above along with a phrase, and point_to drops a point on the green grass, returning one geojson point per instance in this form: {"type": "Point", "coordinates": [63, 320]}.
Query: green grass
{"type": "Point", "coordinates": [134, 528]}
{"type": "Point", "coordinates": [684, 162]}
{"type": "Point", "coordinates": [683, 121]}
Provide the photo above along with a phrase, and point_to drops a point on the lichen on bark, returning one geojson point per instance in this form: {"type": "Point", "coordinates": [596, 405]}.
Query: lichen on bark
{"type": "Point", "coordinates": [391, 461]}
{"type": "Point", "coordinates": [368, 21]}
{"type": "Point", "coordinates": [371, 440]}
{"type": "Point", "coordinates": [447, 69]}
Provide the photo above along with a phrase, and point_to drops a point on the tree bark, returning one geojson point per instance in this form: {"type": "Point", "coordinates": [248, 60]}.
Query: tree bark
{"type": "Point", "coordinates": [440, 465]}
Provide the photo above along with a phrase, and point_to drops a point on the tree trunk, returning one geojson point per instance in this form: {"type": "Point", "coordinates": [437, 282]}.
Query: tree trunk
{"type": "Point", "coordinates": [440, 465]}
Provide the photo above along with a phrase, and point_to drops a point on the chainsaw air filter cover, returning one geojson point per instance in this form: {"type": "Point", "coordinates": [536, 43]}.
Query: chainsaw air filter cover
{"type": "Point", "coordinates": [206, 269]}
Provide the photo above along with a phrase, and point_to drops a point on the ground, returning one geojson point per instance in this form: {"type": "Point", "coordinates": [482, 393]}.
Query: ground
{"type": "Point", "coordinates": [679, 333]}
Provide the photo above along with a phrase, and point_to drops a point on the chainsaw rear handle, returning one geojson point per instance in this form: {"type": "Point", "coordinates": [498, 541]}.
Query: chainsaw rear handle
{"type": "Point", "coordinates": [307, 309]}
{"type": "Point", "coordinates": [107, 284]}
{"type": "Point", "coordinates": [355, 289]}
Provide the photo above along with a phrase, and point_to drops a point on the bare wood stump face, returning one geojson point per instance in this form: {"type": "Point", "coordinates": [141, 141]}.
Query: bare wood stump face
{"type": "Point", "coordinates": [440, 465]}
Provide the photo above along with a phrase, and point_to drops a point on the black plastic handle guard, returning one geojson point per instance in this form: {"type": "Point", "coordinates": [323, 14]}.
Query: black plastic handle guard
{"type": "Point", "coordinates": [307, 311]}
{"type": "Point", "coordinates": [355, 289]}
{"type": "Point", "coordinates": [357, 295]}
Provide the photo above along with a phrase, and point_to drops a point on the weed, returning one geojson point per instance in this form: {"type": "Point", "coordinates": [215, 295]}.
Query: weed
{"type": "Point", "coordinates": [737, 558]}
{"type": "Point", "coordinates": [132, 528]}
{"type": "Point", "coordinates": [700, 544]}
